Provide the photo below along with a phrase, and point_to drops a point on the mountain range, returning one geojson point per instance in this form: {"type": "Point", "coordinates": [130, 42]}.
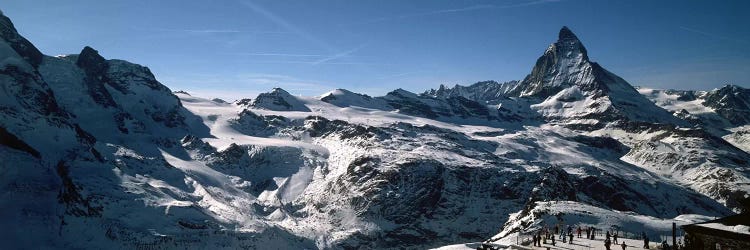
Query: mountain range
{"type": "Point", "coordinates": [97, 153]}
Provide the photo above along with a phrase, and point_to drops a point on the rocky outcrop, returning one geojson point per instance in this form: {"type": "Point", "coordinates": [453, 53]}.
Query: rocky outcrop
{"type": "Point", "coordinates": [731, 102]}
{"type": "Point", "coordinates": [278, 100]}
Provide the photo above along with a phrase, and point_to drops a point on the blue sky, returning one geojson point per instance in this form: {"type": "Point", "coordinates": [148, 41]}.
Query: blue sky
{"type": "Point", "coordinates": [236, 48]}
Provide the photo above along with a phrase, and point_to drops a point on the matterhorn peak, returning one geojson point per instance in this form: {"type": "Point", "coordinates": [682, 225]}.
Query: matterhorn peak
{"type": "Point", "coordinates": [566, 33]}
{"type": "Point", "coordinates": [568, 45]}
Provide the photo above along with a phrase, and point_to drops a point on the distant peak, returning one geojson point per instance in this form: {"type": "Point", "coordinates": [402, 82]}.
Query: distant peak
{"type": "Point", "coordinates": [89, 50]}
{"type": "Point", "coordinates": [730, 88]}
{"type": "Point", "coordinates": [91, 61]}
{"type": "Point", "coordinates": [566, 34]}
{"type": "Point", "coordinates": [279, 90]}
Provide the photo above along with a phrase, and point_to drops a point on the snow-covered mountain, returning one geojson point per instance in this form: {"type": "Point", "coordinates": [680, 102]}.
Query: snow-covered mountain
{"type": "Point", "coordinates": [483, 92]}
{"type": "Point", "coordinates": [724, 112]}
{"type": "Point", "coordinates": [98, 154]}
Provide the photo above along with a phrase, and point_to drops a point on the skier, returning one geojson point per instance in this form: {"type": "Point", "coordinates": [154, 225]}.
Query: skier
{"type": "Point", "coordinates": [607, 244]}
{"type": "Point", "coordinates": [579, 231]}
{"type": "Point", "coordinates": [533, 239]}
{"type": "Point", "coordinates": [588, 232]}
{"type": "Point", "coordinates": [623, 245]}
{"type": "Point", "coordinates": [645, 240]}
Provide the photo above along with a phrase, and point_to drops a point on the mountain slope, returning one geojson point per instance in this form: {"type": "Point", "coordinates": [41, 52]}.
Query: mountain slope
{"type": "Point", "coordinates": [723, 112]}
{"type": "Point", "coordinates": [111, 158]}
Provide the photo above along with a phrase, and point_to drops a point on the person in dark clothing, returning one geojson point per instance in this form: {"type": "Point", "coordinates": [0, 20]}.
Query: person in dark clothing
{"type": "Point", "coordinates": [533, 239]}
{"type": "Point", "coordinates": [607, 244]}
{"type": "Point", "coordinates": [553, 241]}
{"type": "Point", "coordinates": [608, 235]}
{"type": "Point", "coordinates": [588, 233]}
{"type": "Point", "coordinates": [615, 238]}
{"type": "Point", "coordinates": [645, 241]}
{"type": "Point", "coordinates": [593, 233]}
{"type": "Point", "coordinates": [570, 235]}
{"type": "Point", "coordinates": [623, 245]}
{"type": "Point", "coordinates": [579, 231]}
{"type": "Point", "coordinates": [539, 239]}
{"type": "Point", "coordinates": [664, 245]}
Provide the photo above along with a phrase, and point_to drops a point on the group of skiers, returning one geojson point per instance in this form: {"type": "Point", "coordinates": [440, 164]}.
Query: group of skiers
{"type": "Point", "coordinates": [564, 234]}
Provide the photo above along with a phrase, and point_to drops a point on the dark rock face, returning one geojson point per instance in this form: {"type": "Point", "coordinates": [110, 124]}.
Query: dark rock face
{"type": "Point", "coordinates": [466, 108]}
{"type": "Point", "coordinates": [318, 127]}
{"type": "Point", "coordinates": [76, 204]}
{"type": "Point", "coordinates": [555, 184]}
{"type": "Point", "coordinates": [134, 73]}
{"type": "Point", "coordinates": [32, 93]}
{"type": "Point", "coordinates": [95, 67]}
{"type": "Point", "coordinates": [731, 102]}
{"type": "Point", "coordinates": [91, 62]}
{"type": "Point", "coordinates": [409, 105]}
{"type": "Point", "coordinates": [22, 46]}
{"type": "Point", "coordinates": [10, 140]}
{"type": "Point", "coordinates": [602, 142]}
{"type": "Point", "coordinates": [425, 105]}
{"type": "Point", "coordinates": [253, 124]}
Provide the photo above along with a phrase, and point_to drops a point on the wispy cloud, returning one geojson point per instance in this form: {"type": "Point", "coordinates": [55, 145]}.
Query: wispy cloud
{"type": "Point", "coordinates": [712, 35]}
{"type": "Point", "coordinates": [318, 63]}
{"type": "Point", "coordinates": [339, 55]}
{"type": "Point", "coordinates": [453, 10]}
{"type": "Point", "coordinates": [280, 54]}
{"type": "Point", "coordinates": [213, 31]}
{"type": "Point", "coordinates": [286, 25]}
{"type": "Point", "coordinates": [399, 75]}
{"type": "Point", "coordinates": [529, 3]}
{"type": "Point", "coordinates": [283, 23]}
{"type": "Point", "coordinates": [312, 59]}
